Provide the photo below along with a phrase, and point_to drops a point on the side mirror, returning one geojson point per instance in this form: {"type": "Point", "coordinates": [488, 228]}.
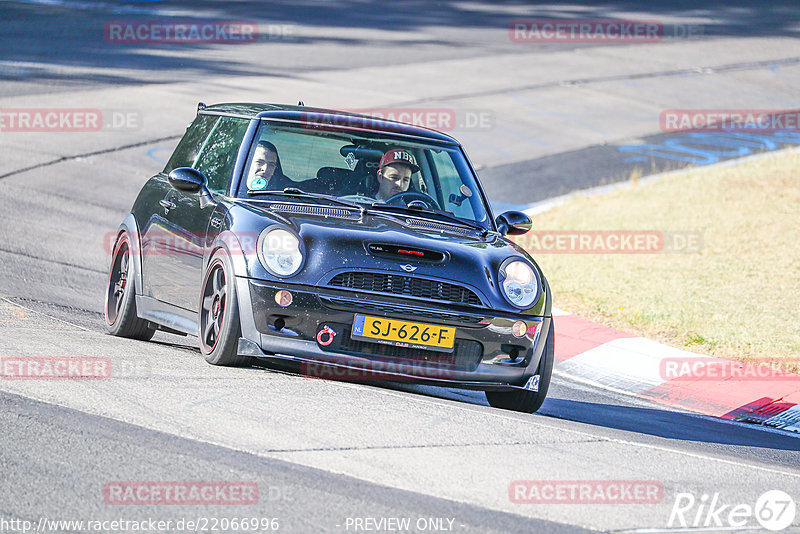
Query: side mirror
{"type": "Point", "coordinates": [513, 223]}
{"type": "Point", "coordinates": [187, 180]}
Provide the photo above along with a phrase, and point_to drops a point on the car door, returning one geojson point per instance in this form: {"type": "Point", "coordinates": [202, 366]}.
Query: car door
{"type": "Point", "coordinates": [157, 229]}
{"type": "Point", "coordinates": [188, 219]}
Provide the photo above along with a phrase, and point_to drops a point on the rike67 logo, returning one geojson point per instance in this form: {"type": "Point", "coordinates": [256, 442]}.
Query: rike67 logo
{"type": "Point", "coordinates": [774, 510]}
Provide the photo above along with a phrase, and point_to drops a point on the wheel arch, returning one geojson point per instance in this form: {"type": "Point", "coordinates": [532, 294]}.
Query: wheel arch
{"type": "Point", "coordinates": [230, 243]}
{"type": "Point", "coordinates": [130, 226]}
{"type": "Point", "coordinates": [225, 241]}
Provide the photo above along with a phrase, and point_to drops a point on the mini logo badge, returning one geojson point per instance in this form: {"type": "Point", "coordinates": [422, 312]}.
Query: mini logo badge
{"type": "Point", "coordinates": [408, 268]}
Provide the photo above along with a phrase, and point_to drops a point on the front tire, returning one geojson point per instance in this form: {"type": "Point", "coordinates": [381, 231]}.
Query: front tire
{"type": "Point", "coordinates": [120, 304]}
{"type": "Point", "coordinates": [219, 325]}
{"type": "Point", "coordinates": [523, 400]}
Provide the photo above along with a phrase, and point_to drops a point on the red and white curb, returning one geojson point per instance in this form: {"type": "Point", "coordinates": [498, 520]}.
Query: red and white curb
{"type": "Point", "coordinates": [606, 357]}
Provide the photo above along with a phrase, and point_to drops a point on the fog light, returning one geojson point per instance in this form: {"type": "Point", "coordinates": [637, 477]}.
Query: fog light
{"type": "Point", "coordinates": [283, 298]}
{"type": "Point", "coordinates": [519, 329]}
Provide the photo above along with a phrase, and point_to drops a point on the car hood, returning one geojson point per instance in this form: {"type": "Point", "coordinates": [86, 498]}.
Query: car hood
{"type": "Point", "coordinates": [391, 242]}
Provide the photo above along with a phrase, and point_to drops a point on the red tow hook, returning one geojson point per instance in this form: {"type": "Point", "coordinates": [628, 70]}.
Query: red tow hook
{"type": "Point", "coordinates": [321, 336]}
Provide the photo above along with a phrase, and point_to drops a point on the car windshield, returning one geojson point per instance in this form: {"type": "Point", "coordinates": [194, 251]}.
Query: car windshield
{"type": "Point", "coordinates": [423, 177]}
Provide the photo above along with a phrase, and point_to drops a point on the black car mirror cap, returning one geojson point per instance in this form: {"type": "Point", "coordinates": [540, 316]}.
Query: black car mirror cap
{"type": "Point", "coordinates": [513, 223]}
{"type": "Point", "coordinates": [187, 179]}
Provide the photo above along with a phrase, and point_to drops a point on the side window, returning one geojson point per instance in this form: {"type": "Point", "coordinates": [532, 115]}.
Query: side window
{"type": "Point", "coordinates": [188, 148]}
{"type": "Point", "coordinates": [218, 156]}
{"type": "Point", "coordinates": [450, 183]}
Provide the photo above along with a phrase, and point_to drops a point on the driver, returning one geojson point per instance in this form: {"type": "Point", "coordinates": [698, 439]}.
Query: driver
{"type": "Point", "coordinates": [394, 173]}
{"type": "Point", "coordinates": [265, 171]}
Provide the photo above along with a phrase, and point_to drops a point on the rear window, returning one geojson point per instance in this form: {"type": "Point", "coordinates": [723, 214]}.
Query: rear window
{"type": "Point", "coordinates": [302, 155]}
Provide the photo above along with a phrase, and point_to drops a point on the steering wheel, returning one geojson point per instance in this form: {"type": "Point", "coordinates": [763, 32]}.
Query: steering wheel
{"type": "Point", "coordinates": [410, 197]}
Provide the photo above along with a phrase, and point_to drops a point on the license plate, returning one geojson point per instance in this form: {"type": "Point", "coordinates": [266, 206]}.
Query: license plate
{"type": "Point", "coordinates": [403, 333]}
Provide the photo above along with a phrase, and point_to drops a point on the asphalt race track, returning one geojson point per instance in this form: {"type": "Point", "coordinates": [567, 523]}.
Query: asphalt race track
{"type": "Point", "coordinates": [331, 456]}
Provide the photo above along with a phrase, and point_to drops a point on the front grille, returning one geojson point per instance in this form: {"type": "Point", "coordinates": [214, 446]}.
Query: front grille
{"type": "Point", "coordinates": [398, 284]}
{"type": "Point", "coordinates": [466, 355]}
{"type": "Point", "coordinates": [395, 309]}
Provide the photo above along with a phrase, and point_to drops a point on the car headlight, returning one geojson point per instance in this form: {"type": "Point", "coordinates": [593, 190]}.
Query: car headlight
{"type": "Point", "coordinates": [279, 251]}
{"type": "Point", "coordinates": [520, 284]}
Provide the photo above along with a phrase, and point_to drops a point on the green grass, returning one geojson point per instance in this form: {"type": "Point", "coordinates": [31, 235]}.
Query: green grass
{"type": "Point", "coordinates": [739, 297]}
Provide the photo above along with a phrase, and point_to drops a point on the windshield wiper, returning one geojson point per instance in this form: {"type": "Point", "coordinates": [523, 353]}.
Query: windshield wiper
{"type": "Point", "coordinates": [299, 193]}
{"type": "Point", "coordinates": [415, 210]}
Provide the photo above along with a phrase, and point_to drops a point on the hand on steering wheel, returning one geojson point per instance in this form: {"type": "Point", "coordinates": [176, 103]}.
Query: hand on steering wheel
{"type": "Point", "coordinates": [411, 197]}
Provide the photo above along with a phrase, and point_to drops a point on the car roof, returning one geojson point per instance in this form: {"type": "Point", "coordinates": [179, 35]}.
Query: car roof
{"type": "Point", "coordinates": [321, 116]}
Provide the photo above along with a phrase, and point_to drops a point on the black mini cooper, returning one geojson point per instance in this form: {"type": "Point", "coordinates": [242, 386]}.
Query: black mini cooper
{"type": "Point", "coordinates": [357, 248]}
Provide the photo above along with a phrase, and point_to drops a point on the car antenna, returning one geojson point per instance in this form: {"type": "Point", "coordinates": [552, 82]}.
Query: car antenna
{"type": "Point", "coordinates": [300, 103]}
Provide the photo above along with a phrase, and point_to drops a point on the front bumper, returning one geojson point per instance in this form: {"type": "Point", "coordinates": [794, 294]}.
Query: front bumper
{"type": "Point", "coordinates": [486, 356]}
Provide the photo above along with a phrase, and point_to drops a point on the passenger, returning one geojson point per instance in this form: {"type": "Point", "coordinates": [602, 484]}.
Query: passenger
{"type": "Point", "coordinates": [265, 171]}
{"type": "Point", "coordinates": [394, 173]}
